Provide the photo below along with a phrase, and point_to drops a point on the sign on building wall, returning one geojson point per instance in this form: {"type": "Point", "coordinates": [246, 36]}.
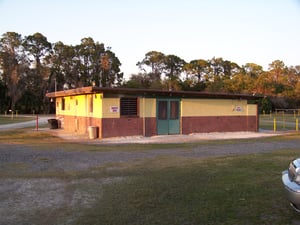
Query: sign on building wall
{"type": "Point", "coordinates": [114, 109]}
{"type": "Point", "coordinates": [238, 108]}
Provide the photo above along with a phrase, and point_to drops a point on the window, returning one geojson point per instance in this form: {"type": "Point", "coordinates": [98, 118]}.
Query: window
{"type": "Point", "coordinates": [174, 110]}
{"type": "Point", "coordinates": [128, 106]}
{"type": "Point", "coordinates": [162, 110]}
{"type": "Point", "coordinates": [63, 103]}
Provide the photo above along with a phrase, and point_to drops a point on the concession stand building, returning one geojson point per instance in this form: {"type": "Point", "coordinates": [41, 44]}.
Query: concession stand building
{"type": "Point", "coordinates": [119, 112]}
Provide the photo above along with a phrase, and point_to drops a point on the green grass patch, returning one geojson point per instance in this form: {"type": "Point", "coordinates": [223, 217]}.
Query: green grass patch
{"type": "Point", "coordinates": [8, 119]}
{"type": "Point", "coordinates": [227, 190]}
{"type": "Point", "coordinates": [28, 136]}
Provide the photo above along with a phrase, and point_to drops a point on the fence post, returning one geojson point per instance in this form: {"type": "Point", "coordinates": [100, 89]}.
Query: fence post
{"type": "Point", "coordinates": [274, 124]}
{"type": "Point", "coordinates": [297, 124]}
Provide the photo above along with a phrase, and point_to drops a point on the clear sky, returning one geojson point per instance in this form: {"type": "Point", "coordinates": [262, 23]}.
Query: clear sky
{"type": "Point", "coordinates": [242, 31]}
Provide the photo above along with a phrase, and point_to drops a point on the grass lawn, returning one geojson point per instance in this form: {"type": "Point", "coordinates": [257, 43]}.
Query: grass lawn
{"type": "Point", "coordinates": [16, 119]}
{"type": "Point", "coordinates": [244, 189]}
{"type": "Point", "coordinates": [227, 190]}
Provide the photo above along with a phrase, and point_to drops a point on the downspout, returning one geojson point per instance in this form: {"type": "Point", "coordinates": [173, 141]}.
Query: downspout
{"type": "Point", "coordinates": [144, 119]}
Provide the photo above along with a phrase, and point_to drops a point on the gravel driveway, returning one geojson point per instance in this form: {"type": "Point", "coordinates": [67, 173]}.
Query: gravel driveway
{"type": "Point", "coordinates": [25, 200]}
{"type": "Point", "coordinates": [61, 160]}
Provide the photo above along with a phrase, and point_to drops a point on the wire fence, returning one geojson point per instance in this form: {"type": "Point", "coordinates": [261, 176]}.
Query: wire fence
{"type": "Point", "coordinates": [280, 120]}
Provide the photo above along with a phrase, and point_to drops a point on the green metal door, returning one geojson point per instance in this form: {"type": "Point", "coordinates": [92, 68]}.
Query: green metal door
{"type": "Point", "coordinates": [168, 116]}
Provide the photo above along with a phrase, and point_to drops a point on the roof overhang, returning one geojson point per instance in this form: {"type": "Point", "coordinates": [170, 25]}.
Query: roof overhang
{"type": "Point", "coordinates": [149, 93]}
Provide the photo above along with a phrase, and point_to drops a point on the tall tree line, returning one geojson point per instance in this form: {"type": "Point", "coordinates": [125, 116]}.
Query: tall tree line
{"type": "Point", "coordinates": [170, 72]}
{"type": "Point", "coordinates": [31, 66]}
{"type": "Point", "coordinates": [218, 75]}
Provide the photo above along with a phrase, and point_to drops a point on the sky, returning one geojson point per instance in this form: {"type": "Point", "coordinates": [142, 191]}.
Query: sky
{"type": "Point", "coordinates": [241, 31]}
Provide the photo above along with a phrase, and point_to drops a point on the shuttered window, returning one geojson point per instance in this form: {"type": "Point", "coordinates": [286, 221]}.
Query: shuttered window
{"type": "Point", "coordinates": [128, 107]}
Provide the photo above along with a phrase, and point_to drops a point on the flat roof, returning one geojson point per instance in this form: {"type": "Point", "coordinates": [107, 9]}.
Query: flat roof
{"type": "Point", "coordinates": [149, 93]}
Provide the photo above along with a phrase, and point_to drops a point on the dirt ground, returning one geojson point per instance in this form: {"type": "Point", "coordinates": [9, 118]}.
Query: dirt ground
{"type": "Point", "coordinates": [195, 137]}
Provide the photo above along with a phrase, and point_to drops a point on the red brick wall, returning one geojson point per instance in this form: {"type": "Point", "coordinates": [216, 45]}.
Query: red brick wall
{"type": "Point", "coordinates": [219, 124]}
{"type": "Point", "coordinates": [117, 127]}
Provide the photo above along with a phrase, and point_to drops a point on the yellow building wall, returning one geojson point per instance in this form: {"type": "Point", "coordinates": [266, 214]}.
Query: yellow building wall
{"type": "Point", "coordinates": [111, 108]}
{"type": "Point", "coordinates": [92, 105]}
{"type": "Point", "coordinates": [147, 107]}
{"type": "Point", "coordinates": [58, 105]}
{"type": "Point", "coordinates": [252, 109]}
{"type": "Point", "coordinates": [81, 106]}
{"type": "Point", "coordinates": [98, 102]}
{"type": "Point", "coordinates": [68, 110]}
{"type": "Point", "coordinates": [216, 107]}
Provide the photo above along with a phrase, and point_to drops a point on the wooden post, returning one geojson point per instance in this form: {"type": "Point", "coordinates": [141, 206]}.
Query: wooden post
{"type": "Point", "coordinates": [274, 124]}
